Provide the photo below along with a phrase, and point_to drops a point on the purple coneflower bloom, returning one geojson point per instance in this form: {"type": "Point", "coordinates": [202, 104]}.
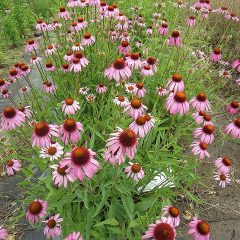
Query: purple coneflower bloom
{"type": "Point", "coordinates": [233, 128]}
{"type": "Point", "coordinates": [13, 166]}
{"type": "Point", "coordinates": [233, 107]}
{"type": "Point", "coordinates": [135, 108]}
{"type": "Point", "coordinates": [135, 171]}
{"type": "Point", "coordinates": [175, 39]}
{"type": "Point", "coordinates": [175, 83]}
{"type": "Point", "coordinates": [223, 164]}
{"type": "Point", "coordinates": [3, 233]}
{"type": "Point", "coordinates": [199, 229]}
{"type": "Point", "coordinates": [200, 148]}
{"type": "Point", "coordinates": [36, 210]}
{"type": "Point", "coordinates": [223, 178]}
{"type": "Point", "coordinates": [74, 236]}
{"type": "Point", "coordinates": [216, 55]}
{"type": "Point", "coordinates": [206, 133]}
{"type": "Point", "coordinates": [53, 228]}
{"type": "Point", "coordinates": [173, 214]}
{"type": "Point", "coordinates": [70, 106]}
{"type": "Point", "coordinates": [200, 102]}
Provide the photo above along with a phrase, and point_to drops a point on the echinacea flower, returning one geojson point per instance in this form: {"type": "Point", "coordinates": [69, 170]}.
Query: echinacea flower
{"type": "Point", "coordinates": [223, 164]}
{"type": "Point", "coordinates": [233, 128]}
{"type": "Point", "coordinates": [31, 45]}
{"type": "Point", "coordinates": [139, 90]}
{"type": "Point", "coordinates": [64, 14]}
{"type": "Point", "coordinates": [49, 67]}
{"type": "Point", "coordinates": [36, 210]}
{"type": "Point", "coordinates": [82, 23]}
{"type": "Point", "coordinates": [35, 60]}
{"type": "Point", "coordinates": [77, 46]}
{"type": "Point", "coordinates": [198, 116]}
{"type": "Point", "coordinates": [42, 134]}
{"type": "Point", "coordinates": [175, 39]}
{"type": "Point", "coordinates": [14, 74]}
{"type": "Point", "coordinates": [82, 162]}
{"type": "Point", "coordinates": [53, 228]}
{"type": "Point", "coordinates": [61, 175]}
{"type": "Point", "coordinates": [177, 103]}
{"type": "Point", "coordinates": [124, 47]}
{"type": "Point", "coordinates": [216, 55]}
{"type": "Point", "coordinates": [3, 84]}
{"type": "Point", "coordinates": [162, 91]}
{"type": "Point", "coordinates": [200, 148]}
{"type": "Point", "coordinates": [160, 230]}
{"type": "Point", "coordinates": [147, 71]}
{"type": "Point", "coordinates": [124, 142]}
{"type": "Point", "coordinates": [68, 56]}
{"type": "Point", "coordinates": [13, 166]}
{"type": "Point", "coordinates": [175, 83]}
{"type": "Point", "coordinates": [200, 102]}
{"type": "Point", "coordinates": [236, 65]}
{"type": "Point", "coordinates": [3, 233]}
{"type": "Point", "coordinates": [49, 87]}
{"type": "Point", "coordinates": [70, 131]}
{"type": "Point", "coordinates": [90, 98]}
{"type": "Point", "coordinates": [101, 88]}
{"type": "Point", "coordinates": [134, 61]}
{"type": "Point", "coordinates": [163, 29]}
{"type": "Point", "coordinates": [135, 171]}
{"type": "Point", "coordinates": [151, 61]}
{"type": "Point", "coordinates": [223, 178]}
{"type": "Point", "coordinates": [70, 106]}
{"type": "Point", "coordinates": [140, 126]}
{"type": "Point", "coordinates": [233, 107]}
{"type": "Point", "coordinates": [11, 118]}
{"type": "Point", "coordinates": [74, 236]}
{"type": "Point", "coordinates": [173, 214]}
{"type": "Point", "coordinates": [118, 70]}
{"type": "Point", "coordinates": [206, 133]}
{"type": "Point", "coordinates": [121, 101]}
{"type": "Point", "coordinates": [26, 111]}
{"type": "Point", "coordinates": [78, 63]}
{"type": "Point", "coordinates": [114, 157]}
{"type": "Point", "coordinates": [87, 39]}
{"type": "Point", "coordinates": [135, 108]}
{"type": "Point", "coordinates": [53, 151]}
{"type": "Point", "coordinates": [224, 73]}
{"type": "Point", "coordinates": [84, 90]}
{"type": "Point", "coordinates": [199, 229]}
{"type": "Point", "coordinates": [6, 93]}
{"type": "Point", "coordinates": [191, 21]}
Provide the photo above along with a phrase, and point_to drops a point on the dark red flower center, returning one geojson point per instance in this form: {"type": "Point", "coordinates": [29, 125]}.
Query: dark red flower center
{"type": "Point", "coordinates": [121, 98]}
{"type": "Point", "coordinates": [201, 113]}
{"type": "Point", "coordinates": [41, 129]}
{"type": "Point", "coordinates": [49, 64]}
{"type": "Point", "coordinates": [237, 122]}
{"type": "Point", "coordinates": [136, 103]}
{"type": "Point", "coordinates": [192, 17]}
{"type": "Point", "coordinates": [13, 72]}
{"type": "Point", "coordinates": [78, 55]}
{"type": "Point", "coordinates": [207, 117]}
{"type": "Point", "coordinates": [62, 9]}
{"type": "Point", "coordinates": [227, 161]}
{"type": "Point", "coordinates": [164, 25]}
{"type": "Point", "coordinates": [203, 228]}
{"type": "Point", "coordinates": [203, 145]}
{"type": "Point", "coordinates": [234, 104]}
{"type": "Point", "coordinates": [39, 21]}
{"type": "Point", "coordinates": [217, 51]}
{"type": "Point", "coordinates": [223, 177]}
{"type": "Point", "coordinates": [80, 156]}
{"type": "Point", "coordinates": [9, 112]}
{"type": "Point", "coordinates": [62, 171]}
{"type": "Point", "coordinates": [146, 67]}
{"type": "Point", "coordinates": [128, 138]}
{"type": "Point", "coordinates": [125, 43]}
{"type": "Point", "coordinates": [10, 163]}
{"type": "Point", "coordinates": [87, 35]}
{"type": "Point", "coordinates": [141, 120]}
{"type": "Point", "coordinates": [80, 20]}
{"type": "Point", "coordinates": [35, 207]}
{"type": "Point", "coordinates": [201, 97]}
{"type": "Point", "coordinates": [175, 34]}
{"type": "Point", "coordinates": [163, 231]}
{"type": "Point", "coordinates": [70, 125]}
{"type": "Point", "coordinates": [174, 212]}
{"type": "Point", "coordinates": [177, 77]}
{"type": "Point", "coordinates": [119, 63]}
{"type": "Point", "coordinates": [69, 53]}
{"type": "Point", "coordinates": [136, 167]}
{"type": "Point", "coordinates": [147, 117]}
{"type": "Point", "coordinates": [65, 66]}
{"type": "Point", "coordinates": [180, 97]}
{"type": "Point", "coordinates": [151, 60]}
{"type": "Point", "coordinates": [139, 85]}
{"type": "Point", "coordinates": [74, 24]}
{"type": "Point", "coordinates": [51, 223]}
{"type": "Point", "coordinates": [2, 82]}
{"type": "Point", "coordinates": [69, 101]}
{"type": "Point", "coordinates": [134, 56]}
{"type": "Point", "coordinates": [76, 60]}
{"type": "Point", "coordinates": [52, 151]}
{"type": "Point", "coordinates": [208, 129]}
{"type": "Point", "coordinates": [110, 8]}
{"type": "Point", "coordinates": [30, 41]}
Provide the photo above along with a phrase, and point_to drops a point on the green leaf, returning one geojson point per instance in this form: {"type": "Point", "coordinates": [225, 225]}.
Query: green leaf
{"type": "Point", "coordinates": [129, 206]}
{"type": "Point", "coordinates": [110, 221]}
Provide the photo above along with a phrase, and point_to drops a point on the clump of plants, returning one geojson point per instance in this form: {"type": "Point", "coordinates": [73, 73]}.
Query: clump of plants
{"type": "Point", "coordinates": [107, 105]}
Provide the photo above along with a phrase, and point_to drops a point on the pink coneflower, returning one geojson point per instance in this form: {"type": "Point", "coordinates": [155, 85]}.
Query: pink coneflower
{"type": "Point", "coordinates": [49, 87]}
{"type": "Point", "coordinates": [36, 210]}
{"type": "Point", "coordinates": [11, 118]}
{"type": "Point", "coordinates": [134, 61]}
{"type": "Point", "coordinates": [49, 67]}
{"type": "Point", "coordinates": [81, 160]}
{"type": "Point", "coordinates": [70, 106]}
{"type": "Point", "coordinates": [25, 70]}
{"type": "Point", "coordinates": [61, 175]}
{"type": "Point", "coordinates": [35, 60]}
{"type": "Point", "coordinates": [147, 71]}
{"type": "Point", "coordinates": [53, 228]}
{"type": "Point", "coordinates": [150, 121]}
{"type": "Point", "coordinates": [31, 45]}
{"type": "Point", "coordinates": [200, 102]}
{"type": "Point", "coordinates": [140, 126]}
{"type": "Point", "coordinates": [14, 73]}
{"type": "Point", "coordinates": [163, 29]}
{"type": "Point", "coordinates": [199, 229]}
{"type": "Point", "coordinates": [118, 70]}
{"type": "Point", "coordinates": [223, 178]}
{"type": "Point", "coordinates": [114, 157]}
{"type": "Point", "coordinates": [53, 151]}
{"type": "Point", "coordinates": [232, 16]}
{"type": "Point", "coordinates": [73, 3]}
{"type": "Point", "coordinates": [101, 88]}
{"type": "Point", "coordinates": [41, 25]}
{"type": "Point", "coordinates": [13, 166]}
{"type": "Point", "coordinates": [64, 14]}
{"type": "Point", "coordinates": [198, 117]}
{"type": "Point", "coordinates": [134, 171]}
{"type": "Point", "coordinates": [121, 101]}
{"type": "Point", "coordinates": [77, 46]}
{"type": "Point", "coordinates": [151, 61]}
{"type": "Point", "coordinates": [197, 9]}
{"type": "Point", "coordinates": [207, 120]}
{"type": "Point", "coordinates": [74, 28]}
{"type": "Point", "coordinates": [191, 21]}
{"type": "Point", "coordinates": [173, 214]}
{"type": "Point", "coordinates": [3, 233]}
{"type": "Point", "coordinates": [233, 107]}
{"type": "Point", "coordinates": [74, 236]}
{"type": "Point", "coordinates": [124, 47]}
{"type": "Point", "coordinates": [224, 73]}
{"type": "Point", "coordinates": [200, 148]}
{"type": "Point", "coordinates": [94, 2]}
{"type": "Point", "coordinates": [149, 30]}
{"type": "Point", "coordinates": [87, 39]}
{"type": "Point", "coordinates": [68, 56]}
{"type": "Point", "coordinates": [135, 108]}
{"type": "Point", "coordinates": [90, 98]}
{"type": "Point", "coordinates": [138, 44]}
{"type": "Point", "coordinates": [139, 90]}
{"type": "Point", "coordinates": [206, 133]}
{"type": "Point", "coordinates": [42, 134]}
{"type": "Point", "coordinates": [76, 65]}
{"type": "Point", "coordinates": [175, 83]}
{"type": "Point", "coordinates": [234, 128]}
{"type": "Point", "coordinates": [6, 93]}
{"type": "Point", "coordinates": [236, 65]}
{"type": "Point", "coordinates": [161, 91]}
{"type": "Point", "coordinates": [70, 131]}
{"type": "Point", "coordinates": [102, 7]}
{"type": "Point", "coordinates": [160, 230]}
{"type": "Point", "coordinates": [124, 142]}
{"type": "Point", "coordinates": [65, 67]}
{"type": "Point", "coordinates": [82, 23]}
{"type": "Point", "coordinates": [26, 111]}
{"type": "Point", "coordinates": [223, 164]}
{"type": "Point", "coordinates": [84, 90]}
{"type": "Point", "coordinates": [180, 4]}
{"type": "Point", "coordinates": [51, 49]}
{"type": "Point", "coordinates": [177, 103]}
{"type": "Point", "coordinates": [3, 84]}
{"type": "Point", "coordinates": [175, 39]}
{"type": "Point", "coordinates": [216, 55]}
